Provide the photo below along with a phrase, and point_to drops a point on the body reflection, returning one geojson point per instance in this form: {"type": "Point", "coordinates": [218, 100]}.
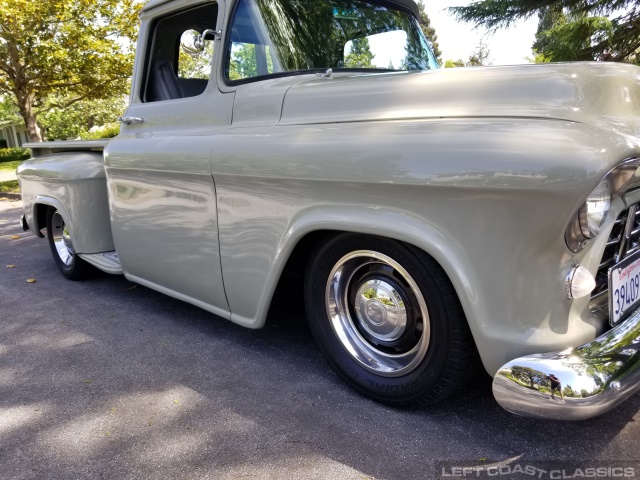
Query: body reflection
{"type": "Point", "coordinates": [556, 386]}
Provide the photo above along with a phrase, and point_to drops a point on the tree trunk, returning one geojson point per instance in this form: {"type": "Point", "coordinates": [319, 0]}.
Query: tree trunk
{"type": "Point", "coordinates": [25, 104]}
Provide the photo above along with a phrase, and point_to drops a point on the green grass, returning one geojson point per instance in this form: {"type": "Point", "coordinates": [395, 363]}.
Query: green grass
{"type": "Point", "coordinates": [10, 166]}
{"type": "Point", "coordinates": [10, 186]}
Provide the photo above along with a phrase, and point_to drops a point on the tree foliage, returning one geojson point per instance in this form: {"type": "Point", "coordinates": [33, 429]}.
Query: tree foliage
{"type": "Point", "coordinates": [197, 64]}
{"type": "Point", "coordinates": [568, 36]}
{"type": "Point", "coordinates": [454, 63]}
{"type": "Point", "coordinates": [244, 60]}
{"type": "Point", "coordinates": [529, 376]}
{"type": "Point", "coordinates": [481, 56]}
{"type": "Point", "coordinates": [8, 110]}
{"type": "Point", "coordinates": [81, 118]}
{"type": "Point", "coordinates": [64, 51]}
{"type": "Point", "coordinates": [568, 29]}
{"type": "Point", "coordinates": [429, 31]}
{"type": "Point", "coordinates": [360, 55]}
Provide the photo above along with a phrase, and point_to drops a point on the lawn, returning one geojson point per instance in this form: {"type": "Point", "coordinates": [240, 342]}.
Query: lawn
{"type": "Point", "coordinates": [9, 186]}
{"type": "Point", "coordinates": [9, 166]}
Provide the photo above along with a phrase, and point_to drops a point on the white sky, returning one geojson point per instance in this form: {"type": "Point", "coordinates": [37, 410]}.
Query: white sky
{"type": "Point", "coordinates": [459, 40]}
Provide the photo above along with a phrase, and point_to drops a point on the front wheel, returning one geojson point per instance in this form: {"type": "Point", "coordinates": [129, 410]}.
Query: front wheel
{"type": "Point", "coordinates": [388, 319]}
{"type": "Point", "coordinates": [69, 263]}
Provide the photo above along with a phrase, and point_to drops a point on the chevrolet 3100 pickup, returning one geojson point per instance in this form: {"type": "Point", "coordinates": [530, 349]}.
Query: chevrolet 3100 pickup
{"type": "Point", "coordinates": [441, 219]}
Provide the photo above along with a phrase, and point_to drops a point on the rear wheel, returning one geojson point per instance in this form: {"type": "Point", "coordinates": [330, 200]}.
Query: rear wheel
{"type": "Point", "coordinates": [388, 319]}
{"type": "Point", "coordinates": [70, 264]}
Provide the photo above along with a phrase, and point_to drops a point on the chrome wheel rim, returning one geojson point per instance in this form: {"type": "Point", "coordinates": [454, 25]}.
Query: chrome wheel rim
{"type": "Point", "coordinates": [378, 313]}
{"type": "Point", "coordinates": [62, 239]}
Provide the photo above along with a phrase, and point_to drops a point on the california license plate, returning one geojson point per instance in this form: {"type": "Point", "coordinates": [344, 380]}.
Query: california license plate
{"type": "Point", "coordinates": [624, 288]}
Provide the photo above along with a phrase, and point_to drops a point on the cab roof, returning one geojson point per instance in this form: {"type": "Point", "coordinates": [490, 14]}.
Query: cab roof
{"type": "Point", "coordinates": [408, 4]}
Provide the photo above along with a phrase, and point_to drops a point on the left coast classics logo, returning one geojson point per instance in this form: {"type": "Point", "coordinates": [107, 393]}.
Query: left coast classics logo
{"type": "Point", "coordinates": [538, 470]}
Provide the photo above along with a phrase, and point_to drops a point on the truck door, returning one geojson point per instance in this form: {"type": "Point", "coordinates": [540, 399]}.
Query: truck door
{"type": "Point", "coordinates": [162, 195]}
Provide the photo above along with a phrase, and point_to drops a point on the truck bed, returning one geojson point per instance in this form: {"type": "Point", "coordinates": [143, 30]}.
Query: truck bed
{"type": "Point", "coordinates": [45, 148]}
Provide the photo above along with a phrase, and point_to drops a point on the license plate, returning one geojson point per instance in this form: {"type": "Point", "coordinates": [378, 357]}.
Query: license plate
{"type": "Point", "coordinates": [624, 288]}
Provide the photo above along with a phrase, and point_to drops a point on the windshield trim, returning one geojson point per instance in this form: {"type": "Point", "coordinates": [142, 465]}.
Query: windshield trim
{"type": "Point", "coordinates": [311, 71]}
{"type": "Point", "coordinates": [226, 60]}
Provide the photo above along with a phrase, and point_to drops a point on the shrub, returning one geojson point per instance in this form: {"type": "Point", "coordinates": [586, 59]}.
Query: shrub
{"type": "Point", "coordinates": [13, 154]}
{"type": "Point", "coordinates": [108, 130]}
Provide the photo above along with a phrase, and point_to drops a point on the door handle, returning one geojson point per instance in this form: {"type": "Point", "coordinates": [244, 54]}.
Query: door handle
{"type": "Point", "coordinates": [130, 120]}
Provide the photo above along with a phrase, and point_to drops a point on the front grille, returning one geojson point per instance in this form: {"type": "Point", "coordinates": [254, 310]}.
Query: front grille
{"type": "Point", "coordinates": [622, 242]}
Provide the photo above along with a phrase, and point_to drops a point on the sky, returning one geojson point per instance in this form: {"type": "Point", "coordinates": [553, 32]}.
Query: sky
{"type": "Point", "coordinates": [459, 40]}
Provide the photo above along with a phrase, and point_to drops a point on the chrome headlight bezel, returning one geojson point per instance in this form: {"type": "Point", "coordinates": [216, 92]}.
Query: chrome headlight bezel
{"type": "Point", "coordinates": [583, 228]}
{"type": "Point", "coordinates": [594, 210]}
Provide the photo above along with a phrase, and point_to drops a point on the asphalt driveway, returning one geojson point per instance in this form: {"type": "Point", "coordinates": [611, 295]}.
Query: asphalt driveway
{"type": "Point", "coordinates": [106, 379]}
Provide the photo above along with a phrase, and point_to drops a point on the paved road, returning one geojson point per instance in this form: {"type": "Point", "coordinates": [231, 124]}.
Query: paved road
{"type": "Point", "coordinates": [102, 379]}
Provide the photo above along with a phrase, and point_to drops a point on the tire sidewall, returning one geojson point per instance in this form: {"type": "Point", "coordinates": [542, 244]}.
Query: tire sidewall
{"type": "Point", "coordinates": [399, 389]}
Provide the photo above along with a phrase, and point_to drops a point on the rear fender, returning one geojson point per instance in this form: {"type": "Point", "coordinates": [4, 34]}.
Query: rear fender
{"type": "Point", "coordinates": [75, 184]}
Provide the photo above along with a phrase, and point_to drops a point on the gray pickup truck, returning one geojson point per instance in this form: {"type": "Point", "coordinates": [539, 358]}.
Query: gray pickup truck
{"type": "Point", "coordinates": [442, 220]}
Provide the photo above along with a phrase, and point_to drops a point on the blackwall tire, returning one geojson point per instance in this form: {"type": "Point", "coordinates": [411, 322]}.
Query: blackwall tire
{"type": "Point", "coordinates": [388, 320]}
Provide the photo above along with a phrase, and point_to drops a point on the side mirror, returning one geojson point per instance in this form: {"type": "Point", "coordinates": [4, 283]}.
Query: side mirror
{"type": "Point", "coordinates": [192, 42]}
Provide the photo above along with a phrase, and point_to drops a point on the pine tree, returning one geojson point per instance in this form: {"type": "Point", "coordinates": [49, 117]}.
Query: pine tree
{"type": "Point", "coordinates": [429, 31]}
{"type": "Point", "coordinates": [360, 55]}
{"type": "Point", "coordinates": [569, 29]}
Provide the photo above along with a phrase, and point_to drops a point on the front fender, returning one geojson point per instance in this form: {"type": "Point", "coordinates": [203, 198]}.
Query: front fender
{"type": "Point", "coordinates": [385, 222]}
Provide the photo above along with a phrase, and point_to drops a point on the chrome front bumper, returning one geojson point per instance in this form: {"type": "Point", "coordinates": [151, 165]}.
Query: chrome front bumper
{"type": "Point", "coordinates": [601, 374]}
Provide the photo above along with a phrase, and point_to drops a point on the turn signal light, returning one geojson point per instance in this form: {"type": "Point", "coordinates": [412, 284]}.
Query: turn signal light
{"type": "Point", "coordinates": [579, 283]}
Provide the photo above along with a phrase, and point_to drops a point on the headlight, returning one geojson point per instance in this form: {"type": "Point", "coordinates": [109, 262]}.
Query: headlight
{"type": "Point", "coordinates": [588, 220]}
{"type": "Point", "coordinates": [595, 209]}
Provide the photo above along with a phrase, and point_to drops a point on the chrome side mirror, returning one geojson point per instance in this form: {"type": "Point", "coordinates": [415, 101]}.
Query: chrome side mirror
{"type": "Point", "coordinates": [198, 40]}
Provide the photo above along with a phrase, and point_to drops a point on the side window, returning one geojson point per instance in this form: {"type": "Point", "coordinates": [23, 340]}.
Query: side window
{"type": "Point", "coordinates": [177, 66]}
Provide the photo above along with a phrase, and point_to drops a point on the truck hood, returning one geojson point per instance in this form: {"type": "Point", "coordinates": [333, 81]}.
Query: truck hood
{"type": "Point", "coordinates": [606, 95]}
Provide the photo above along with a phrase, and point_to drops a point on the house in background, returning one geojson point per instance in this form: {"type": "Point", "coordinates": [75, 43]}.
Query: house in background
{"type": "Point", "coordinates": [13, 133]}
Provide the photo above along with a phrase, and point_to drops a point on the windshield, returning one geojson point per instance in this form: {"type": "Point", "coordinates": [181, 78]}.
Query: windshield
{"type": "Point", "coordinates": [271, 37]}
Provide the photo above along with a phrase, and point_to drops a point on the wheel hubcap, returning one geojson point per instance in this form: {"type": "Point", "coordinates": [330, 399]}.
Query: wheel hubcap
{"type": "Point", "coordinates": [62, 239]}
{"type": "Point", "coordinates": [380, 310]}
{"type": "Point", "coordinates": [378, 313]}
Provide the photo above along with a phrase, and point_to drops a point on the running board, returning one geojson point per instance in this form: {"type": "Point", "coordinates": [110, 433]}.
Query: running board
{"type": "Point", "coordinates": [107, 261]}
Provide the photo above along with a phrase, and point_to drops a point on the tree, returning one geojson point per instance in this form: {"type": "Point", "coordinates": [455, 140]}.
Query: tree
{"type": "Point", "coordinates": [8, 110]}
{"type": "Point", "coordinates": [198, 63]}
{"type": "Point", "coordinates": [548, 18]}
{"type": "Point", "coordinates": [564, 35]}
{"type": "Point", "coordinates": [77, 120]}
{"type": "Point", "coordinates": [360, 55]}
{"type": "Point", "coordinates": [429, 31]}
{"type": "Point", "coordinates": [454, 64]}
{"type": "Point", "coordinates": [480, 56]}
{"type": "Point", "coordinates": [529, 375]}
{"type": "Point", "coordinates": [570, 29]}
{"type": "Point", "coordinates": [55, 53]}
{"type": "Point", "coordinates": [244, 61]}
{"type": "Point", "coordinates": [569, 392]}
